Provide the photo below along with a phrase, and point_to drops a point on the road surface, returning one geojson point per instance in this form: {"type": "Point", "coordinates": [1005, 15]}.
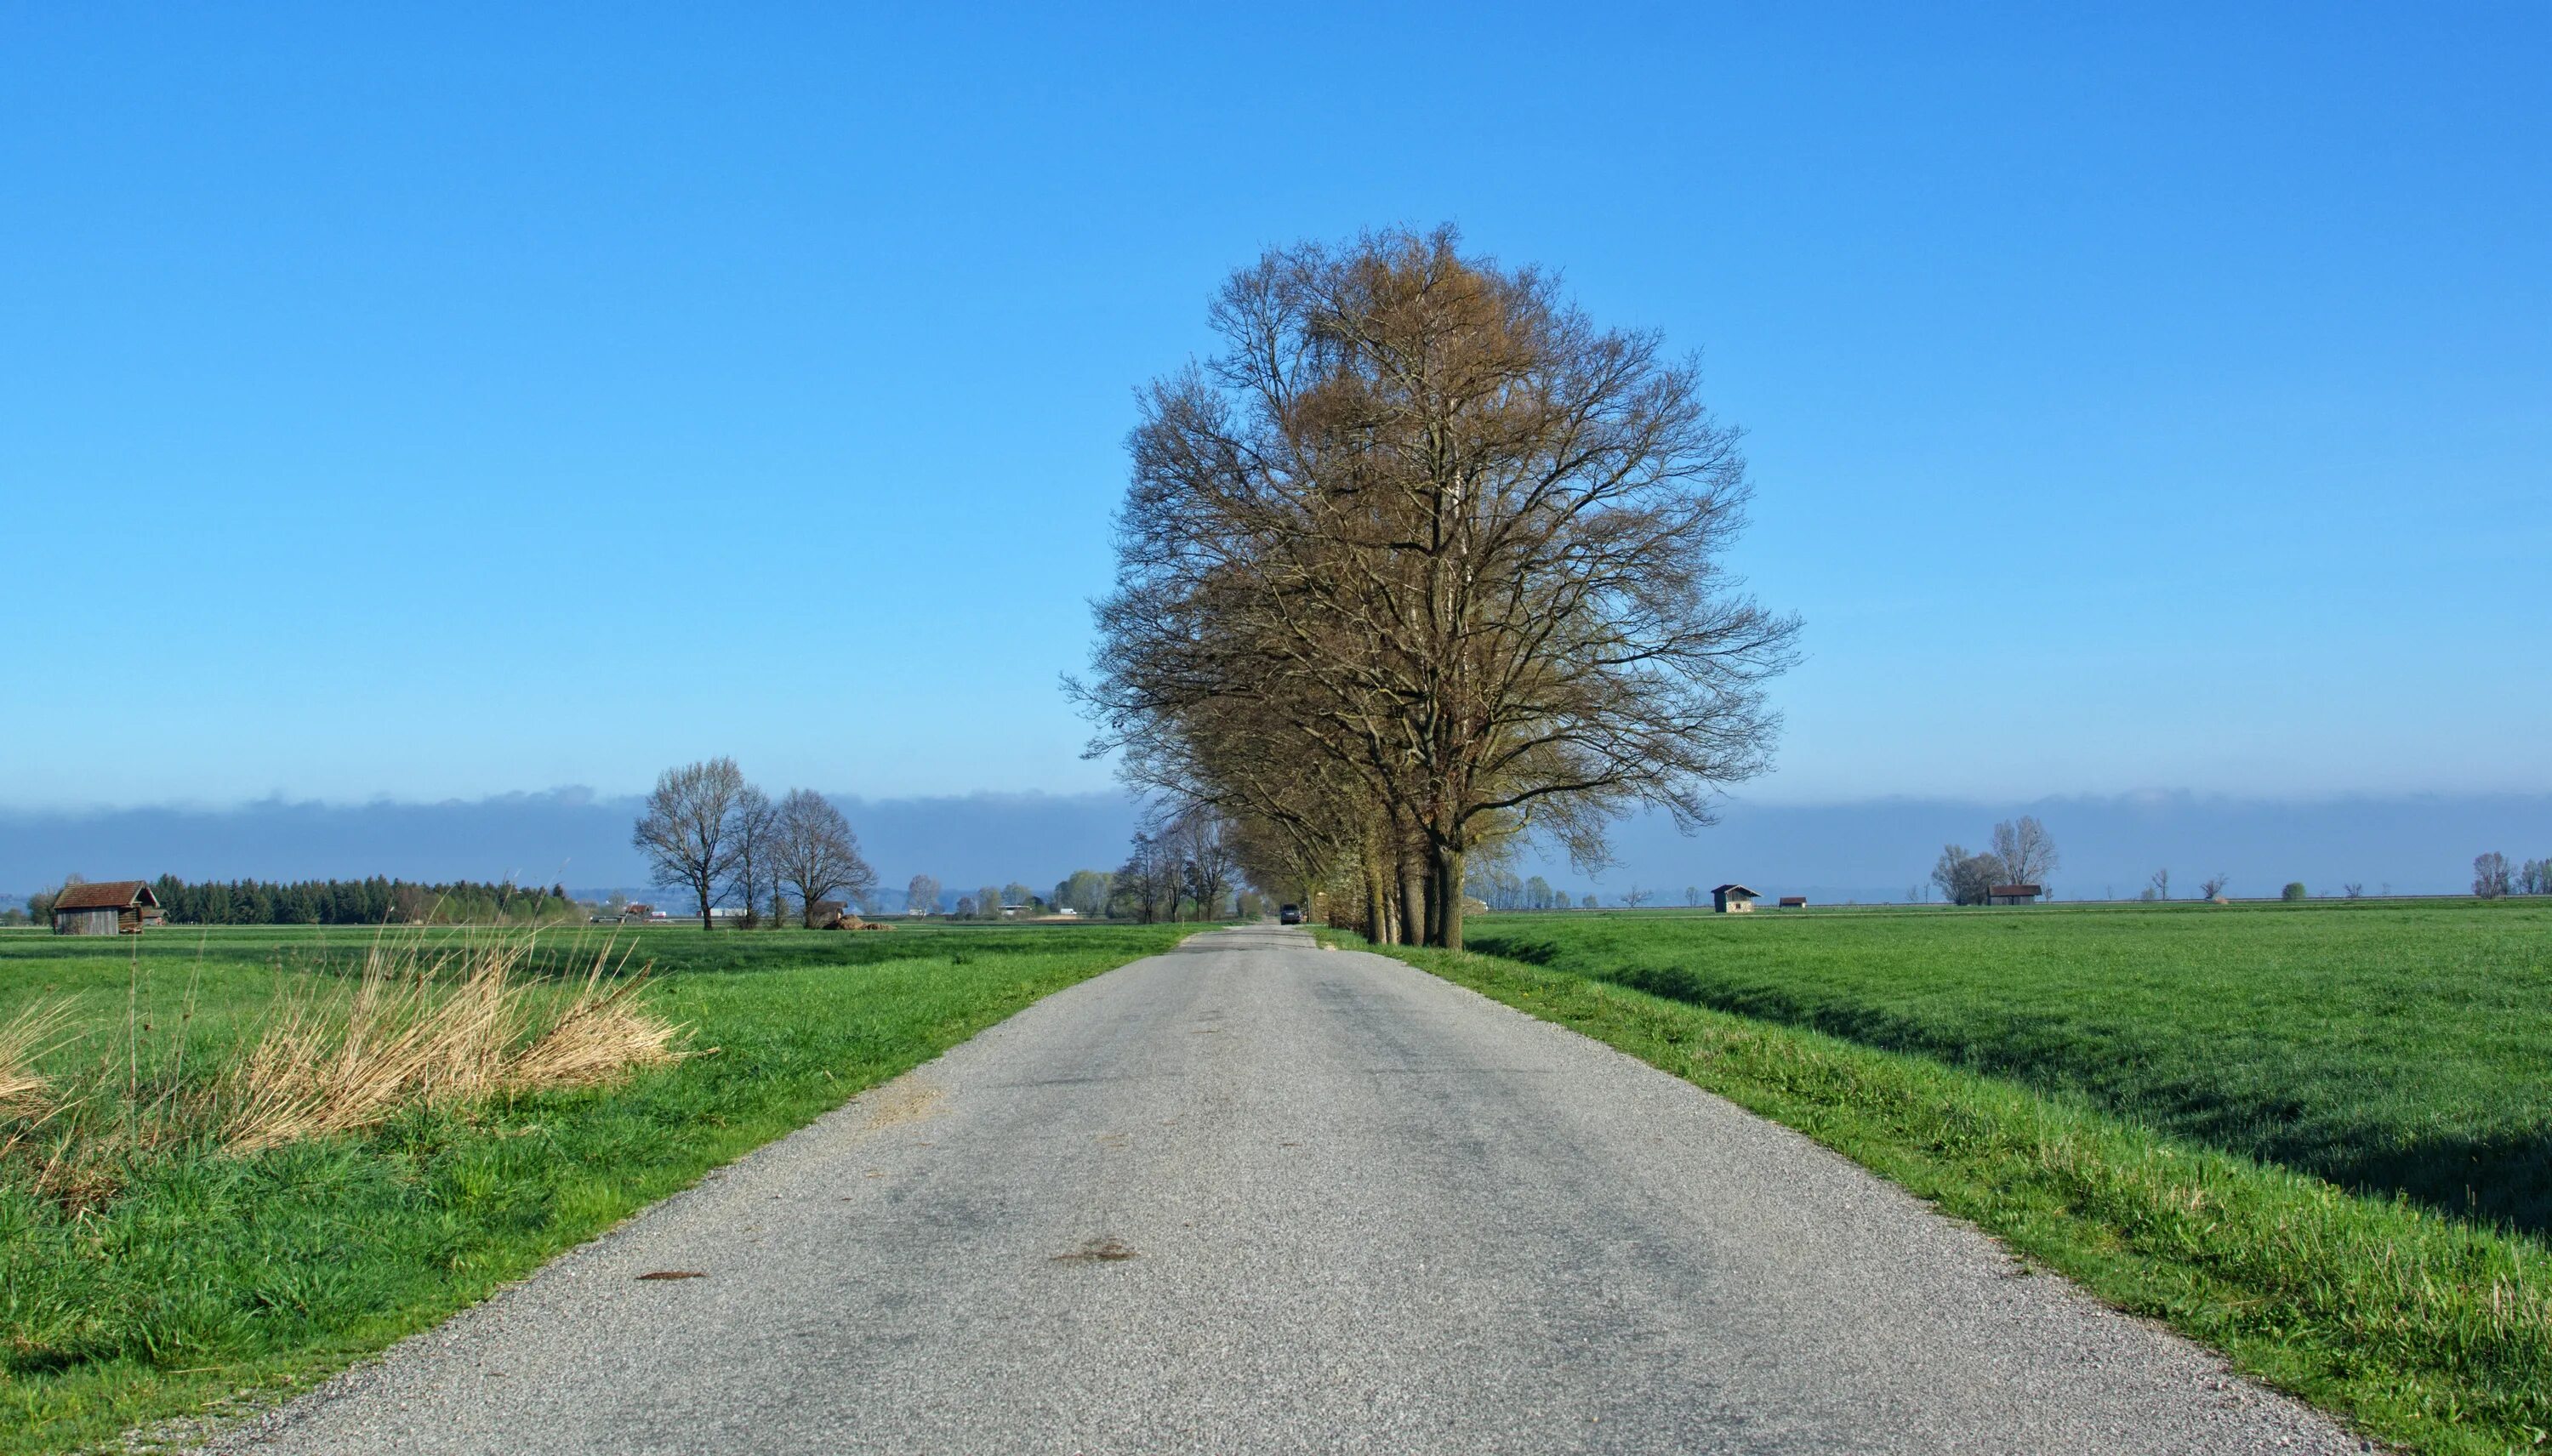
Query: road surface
{"type": "Point", "coordinates": [1256, 1197]}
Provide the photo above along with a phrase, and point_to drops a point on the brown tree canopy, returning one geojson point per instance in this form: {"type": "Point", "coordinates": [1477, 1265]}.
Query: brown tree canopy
{"type": "Point", "coordinates": [1424, 555]}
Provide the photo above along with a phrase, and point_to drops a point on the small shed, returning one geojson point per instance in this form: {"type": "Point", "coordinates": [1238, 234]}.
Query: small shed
{"type": "Point", "coordinates": [1733, 900]}
{"type": "Point", "coordinates": [2012, 895]}
{"type": "Point", "coordinates": [1794, 903]}
{"type": "Point", "coordinates": [115, 908]}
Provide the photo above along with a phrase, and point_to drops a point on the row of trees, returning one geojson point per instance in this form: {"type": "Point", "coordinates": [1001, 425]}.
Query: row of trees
{"type": "Point", "coordinates": [924, 894]}
{"type": "Point", "coordinates": [378, 900]}
{"type": "Point", "coordinates": [1500, 889]}
{"type": "Point", "coordinates": [2492, 880]}
{"type": "Point", "coordinates": [1421, 562]}
{"type": "Point", "coordinates": [1186, 865]}
{"type": "Point", "coordinates": [707, 832]}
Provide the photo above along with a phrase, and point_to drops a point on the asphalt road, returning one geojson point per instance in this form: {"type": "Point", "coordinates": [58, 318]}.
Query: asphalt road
{"type": "Point", "coordinates": [1255, 1197]}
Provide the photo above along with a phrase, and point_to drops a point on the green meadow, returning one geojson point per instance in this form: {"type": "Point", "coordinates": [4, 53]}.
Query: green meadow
{"type": "Point", "coordinates": [196, 1277]}
{"type": "Point", "coordinates": [2314, 1137]}
{"type": "Point", "coordinates": [2388, 1047]}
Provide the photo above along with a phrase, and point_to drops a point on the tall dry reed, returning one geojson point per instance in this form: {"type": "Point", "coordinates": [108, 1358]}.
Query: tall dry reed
{"type": "Point", "coordinates": [420, 1023]}
{"type": "Point", "coordinates": [432, 1028]}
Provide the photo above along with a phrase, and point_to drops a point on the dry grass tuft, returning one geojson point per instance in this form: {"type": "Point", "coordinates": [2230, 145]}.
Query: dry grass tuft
{"type": "Point", "coordinates": [594, 1040]}
{"type": "Point", "coordinates": [27, 1097]}
{"type": "Point", "coordinates": [417, 1028]}
{"type": "Point", "coordinates": [25, 1038]}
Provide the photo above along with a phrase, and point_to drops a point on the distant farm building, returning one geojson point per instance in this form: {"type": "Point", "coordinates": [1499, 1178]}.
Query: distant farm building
{"type": "Point", "coordinates": [116, 907]}
{"type": "Point", "coordinates": [1794, 903]}
{"type": "Point", "coordinates": [2012, 895]}
{"type": "Point", "coordinates": [1733, 900]}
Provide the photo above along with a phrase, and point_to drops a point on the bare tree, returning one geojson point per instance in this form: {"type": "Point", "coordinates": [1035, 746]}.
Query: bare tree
{"type": "Point", "coordinates": [2490, 880]}
{"type": "Point", "coordinates": [40, 905]}
{"type": "Point", "coordinates": [1965, 878]}
{"type": "Point", "coordinates": [2159, 887]}
{"type": "Point", "coordinates": [1148, 884]}
{"type": "Point", "coordinates": [751, 825]}
{"type": "Point", "coordinates": [1207, 864]}
{"type": "Point", "coordinates": [2354, 889]}
{"type": "Point", "coordinates": [922, 894]}
{"type": "Point", "coordinates": [2027, 853]}
{"type": "Point", "coordinates": [1635, 896]}
{"type": "Point", "coordinates": [686, 830]}
{"type": "Point", "coordinates": [1433, 527]}
{"type": "Point", "coordinates": [2212, 886]}
{"type": "Point", "coordinates": [814, 853]}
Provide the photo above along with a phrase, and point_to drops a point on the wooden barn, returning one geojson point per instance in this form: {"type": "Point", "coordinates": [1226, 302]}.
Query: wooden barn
{"type": "Point", "coordinates": [1733, 900]}
{"type": "Point", "coordinates": [115, 908]}
{"type": "Point", "coordinates": [2013, 894]}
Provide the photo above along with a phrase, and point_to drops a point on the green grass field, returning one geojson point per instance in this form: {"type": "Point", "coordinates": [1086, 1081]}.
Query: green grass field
{"type": "Point", "coordinates": [210, 1277]}
{"type": "Point", "coordinates": [2146, 1100]}
{"type": "Point", "coordinates": [2387, 1048]}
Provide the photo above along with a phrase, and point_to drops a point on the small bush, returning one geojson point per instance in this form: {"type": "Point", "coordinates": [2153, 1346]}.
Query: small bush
{"type": "Point", "coordinates": [2295, 890]}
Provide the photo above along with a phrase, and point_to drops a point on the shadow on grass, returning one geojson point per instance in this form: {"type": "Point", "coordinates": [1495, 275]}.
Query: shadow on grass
{"type": "Point", "coordinates": [2243, 1105]}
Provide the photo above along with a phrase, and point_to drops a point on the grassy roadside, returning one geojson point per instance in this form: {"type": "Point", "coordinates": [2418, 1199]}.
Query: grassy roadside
{"type": "Point", "coordinates": [2426, 1331]}
{"type": "Point", "coordinates": [212, 1278]}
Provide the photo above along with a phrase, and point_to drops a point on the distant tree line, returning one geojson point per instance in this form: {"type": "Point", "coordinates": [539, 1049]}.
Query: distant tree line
{"type": "Point", "coordinates": [2494, 880]}
{"type": "Point", "coordinates": [374, 901]}
{"type": "Point", "coordinates": [1186, 867]}
{"type": "Point", "coordinates": [1500, 889]}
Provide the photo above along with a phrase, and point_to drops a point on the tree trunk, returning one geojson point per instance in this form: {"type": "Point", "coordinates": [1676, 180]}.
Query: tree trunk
{"type": "Point", "coordinates": [1412, 901]}
{"type": "Point", "coordinates": [1445, 904]}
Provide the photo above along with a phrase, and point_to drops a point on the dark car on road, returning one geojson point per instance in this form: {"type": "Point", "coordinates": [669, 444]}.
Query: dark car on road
{"type": "Point", "coordinates": [1289, 915]}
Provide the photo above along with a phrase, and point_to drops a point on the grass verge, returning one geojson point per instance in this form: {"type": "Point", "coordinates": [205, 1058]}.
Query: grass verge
{"type": "Point", "coordinates": [213, 1278]}
{"type": "Point", "coordinates": [2428, 1332]}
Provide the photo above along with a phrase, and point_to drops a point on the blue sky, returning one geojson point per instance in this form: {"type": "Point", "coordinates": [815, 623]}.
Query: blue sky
{"type": "Point", "coordinates": [479, 399]}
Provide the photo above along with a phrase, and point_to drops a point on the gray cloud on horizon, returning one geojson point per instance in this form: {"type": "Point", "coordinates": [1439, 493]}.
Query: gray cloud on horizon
{"type": "Point", "coordinates": [1868, 850]}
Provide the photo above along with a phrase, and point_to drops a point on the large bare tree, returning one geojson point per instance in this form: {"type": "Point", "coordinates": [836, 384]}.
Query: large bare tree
{"type": "Point", "coordinates": [1423, 521]}
{"type": "Point", "coordinates": [688, 830]}
{"type": "Point", "coordinates": [814, 853]}
{"type": "Point", "coordinates": [2490, 880]}
{"type": "Point", "coordinates": [2025, 849]}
